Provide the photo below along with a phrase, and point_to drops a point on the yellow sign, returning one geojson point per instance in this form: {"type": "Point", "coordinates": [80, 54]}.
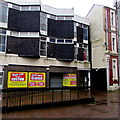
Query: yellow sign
{"type": "Point", "coordinates": [70, 80]}
{"type": "Point", "coordinates": [36, 79]}
{"type": "Point", "coordinates": [17, 80]}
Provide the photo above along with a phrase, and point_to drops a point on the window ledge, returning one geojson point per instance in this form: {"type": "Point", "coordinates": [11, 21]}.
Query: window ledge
{"type": "Point", "coordinates": [115, 79]}
{"type": "Point", "coordinates": [4, 54]}
{"type": "Point", "coordinates": [111, 53]}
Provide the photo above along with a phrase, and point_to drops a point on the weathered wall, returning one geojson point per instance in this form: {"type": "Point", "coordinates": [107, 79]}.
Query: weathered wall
{"type": "Point", "coordinates": [97, 36]}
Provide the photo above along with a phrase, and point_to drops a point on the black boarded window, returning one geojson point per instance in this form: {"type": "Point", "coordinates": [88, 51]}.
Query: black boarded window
{"type": "Point", "coordinates": [24, 21]}
{"type": "Point", "coordinates": [65, 52]}
{"type": "Point", "coordinates": [12, 45]}
{"type": "Point", "coordinates": [61, 28]}
{"type": "Point", "coordinates": [28, 47]}
{"type": "Point", "coordinates": [51, 50]}
{"type": "Point", "coordinates": [43, 46]}
{"type": "Point", "coordinates": [80, 34]}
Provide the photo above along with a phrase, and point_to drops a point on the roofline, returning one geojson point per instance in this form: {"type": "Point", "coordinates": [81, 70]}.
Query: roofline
{"type": "Point", "coordinates": [90, 10]}
{"type": "Point", "coordinates": [99, 6]}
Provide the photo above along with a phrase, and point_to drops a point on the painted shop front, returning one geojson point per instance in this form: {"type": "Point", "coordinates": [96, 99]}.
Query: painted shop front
{"type": "Point", "coordinates": [16, 76]}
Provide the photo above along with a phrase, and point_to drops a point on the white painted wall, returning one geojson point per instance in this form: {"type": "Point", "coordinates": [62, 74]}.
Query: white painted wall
{"type": "Point", "coordinates": [97, 36]}
{"type": "Point", "coordinates": [95, 17]}
{"type": "Point", "coordinates": [57, 11]}
{"type": "Point", "coordinates": [81, 19]}
{"type": "Point", "coordinates": [6, 59]}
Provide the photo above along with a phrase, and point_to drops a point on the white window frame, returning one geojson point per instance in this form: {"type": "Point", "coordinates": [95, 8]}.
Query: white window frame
{"type": "Point", "coordinates": [114, 48]}
{"type": "Point", "coordinates": [45, 50]}
{"type": "Point", "coordinates": [64, 41]}
{"type": "Point", "coordinates": [26, 34]}
{"type": "Point", "coordinates": [112, 20]}
{"type": "Point", "coordinates": [1, 34]}
{"type": "Point", "coordinates": [43, 32]}
{"type": "Point", "coordinates": [114, 69]}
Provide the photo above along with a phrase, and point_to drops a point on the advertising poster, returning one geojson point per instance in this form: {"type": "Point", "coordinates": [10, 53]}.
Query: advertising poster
{"type": "Point", "coordinates": [17, 80]}
{"type": "Point", "coordinates": [36, 80]}
{"type": "Point", "coordinates": [69, 80]}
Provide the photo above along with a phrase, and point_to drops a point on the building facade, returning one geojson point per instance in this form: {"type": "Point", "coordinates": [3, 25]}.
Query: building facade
{"type": "Point", "coordinates": [104, 40]}
{"type": "Point", "coordinates": [42, 41]}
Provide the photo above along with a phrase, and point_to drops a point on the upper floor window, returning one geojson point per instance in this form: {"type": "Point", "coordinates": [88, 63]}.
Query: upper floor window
{"type": "Point", "coordinates": [43, 22]}
{"type": "Point", "coordinates": [2, 40]}
{"type": "Point", "coordinates": [75, 30]}
{"type": "Point", "coordinates": [112, 20]}
{"type": "Point", "coordinates": [114, 45]}
{"type": "Point", "coordinates": [60, 40]}
{"type": "Point", "coordinates": [3, 13]}
{"type": "Point", "coordinates": [81, 52]}
{"type": "Point", "coordinates": [52, 40]}
{"type": "Point", "coordinates": [85, 53]}
{"type": "Point", "coordinates": [85, 34]}
{"type": "Point", "coordinates": [43, 46]}
{"type": "Point", "coordinates": [65, 41]}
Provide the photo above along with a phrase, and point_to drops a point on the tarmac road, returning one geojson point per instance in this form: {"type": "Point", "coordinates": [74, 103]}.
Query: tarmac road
{"type": "Point", "coordinates": [106, 106]}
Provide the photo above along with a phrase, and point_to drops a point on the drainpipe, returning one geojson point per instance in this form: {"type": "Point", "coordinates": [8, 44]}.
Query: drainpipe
{"type": "Point", "coordinates": [117, 6]}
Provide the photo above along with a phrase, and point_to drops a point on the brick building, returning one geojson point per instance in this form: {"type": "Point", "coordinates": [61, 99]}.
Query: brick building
{"type": "Point", "coordinates": [104, 40]}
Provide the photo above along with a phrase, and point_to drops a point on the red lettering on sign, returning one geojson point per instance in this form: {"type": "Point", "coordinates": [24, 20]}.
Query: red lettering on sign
{"type": "Point", "coordinates": [36, 76]}
{"type": "Point", "coordinates": [32, 83]}
{"type": "Point", "coordinates": [17, 77]}
{"type": "Point", "coordinates": [41, 83]}
{"type": "Point", "coordinates": [72, 82]}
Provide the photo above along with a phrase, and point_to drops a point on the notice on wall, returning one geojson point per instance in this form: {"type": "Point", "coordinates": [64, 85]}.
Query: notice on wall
{"type": "Point", "coordinates": [17, 80]}
{"type": "Point", "coordinates": [36, 80]}
{"type": "Point", "coordinates": [69, 80]}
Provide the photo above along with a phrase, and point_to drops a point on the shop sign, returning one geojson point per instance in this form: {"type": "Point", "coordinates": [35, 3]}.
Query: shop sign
{"type": "Point", "coordinates": [36, 80]}
{"type": "Point", "coordinates": [70, 80]}
{"type": "Point", "coordinates": [17, 79]}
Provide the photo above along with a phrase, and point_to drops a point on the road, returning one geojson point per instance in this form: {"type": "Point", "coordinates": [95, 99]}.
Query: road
{"type": "Point", "coordinates": [106, 106]}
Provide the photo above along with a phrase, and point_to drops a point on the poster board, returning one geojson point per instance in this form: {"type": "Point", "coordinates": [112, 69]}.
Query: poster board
{"type": "Point", "coordinates": [17, 79]}
{"type": "Point", "coordinates": [36, 80]}
{"type": "Point", "coordinates": [70, 80]}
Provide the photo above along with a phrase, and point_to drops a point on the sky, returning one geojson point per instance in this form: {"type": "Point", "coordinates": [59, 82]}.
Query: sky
{"type": "Point", "coordinates": [81, 7]}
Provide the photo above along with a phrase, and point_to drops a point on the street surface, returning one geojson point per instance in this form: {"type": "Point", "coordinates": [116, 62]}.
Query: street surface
{"type": "Point", "coordinates": [106, 106]}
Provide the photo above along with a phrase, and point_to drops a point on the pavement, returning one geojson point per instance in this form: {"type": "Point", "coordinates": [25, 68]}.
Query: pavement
{"type": "Point", "coordinates": [107, 105]}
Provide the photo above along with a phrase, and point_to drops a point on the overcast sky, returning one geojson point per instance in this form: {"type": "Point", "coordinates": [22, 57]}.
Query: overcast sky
{"type": "Point", "coordinates": [81, 7]}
